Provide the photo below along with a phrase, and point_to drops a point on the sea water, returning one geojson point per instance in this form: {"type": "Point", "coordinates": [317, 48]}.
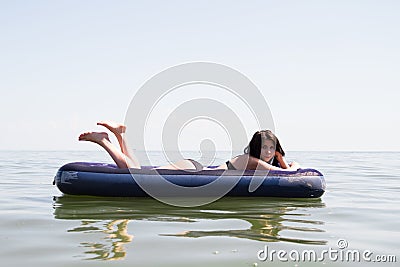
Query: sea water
{"type": "Point", "coordinates": [359, 215]}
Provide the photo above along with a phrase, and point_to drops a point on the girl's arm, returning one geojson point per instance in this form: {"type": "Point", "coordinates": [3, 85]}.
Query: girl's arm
{"type": "Point", "coordinates": [282, 161]}
{"type": "Point", "coordinates": [258, 164]}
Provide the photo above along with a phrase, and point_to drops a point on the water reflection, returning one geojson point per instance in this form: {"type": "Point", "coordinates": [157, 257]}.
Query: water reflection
{"type": "Point", "coordinates": [116, 236]}
{"type": "Point", "coordinates": [270, 220]}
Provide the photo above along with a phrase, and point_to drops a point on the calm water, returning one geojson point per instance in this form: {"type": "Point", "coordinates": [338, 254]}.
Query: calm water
{"type": "Point", "coordinates": [41, 226]}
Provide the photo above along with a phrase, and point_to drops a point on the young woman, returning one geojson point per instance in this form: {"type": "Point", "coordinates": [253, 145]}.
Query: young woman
{"type": "Point", "coordinates": [264, 152]}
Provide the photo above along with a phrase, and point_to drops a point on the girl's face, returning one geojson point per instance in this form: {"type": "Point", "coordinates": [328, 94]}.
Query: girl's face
{"type": "Point", "coordinates": [267, 150]}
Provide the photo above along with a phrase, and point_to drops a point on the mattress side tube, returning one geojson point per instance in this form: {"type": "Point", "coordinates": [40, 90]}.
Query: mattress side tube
{"type": "Point", "coordinates": [111, 168]}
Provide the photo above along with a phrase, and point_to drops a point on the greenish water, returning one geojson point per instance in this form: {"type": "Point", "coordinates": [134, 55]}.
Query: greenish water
{"type": "Point", "coordinates": [41, 226]}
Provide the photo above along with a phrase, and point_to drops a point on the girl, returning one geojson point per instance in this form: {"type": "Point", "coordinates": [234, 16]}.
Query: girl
{"type": "Point", "coordinates": [264, 152]}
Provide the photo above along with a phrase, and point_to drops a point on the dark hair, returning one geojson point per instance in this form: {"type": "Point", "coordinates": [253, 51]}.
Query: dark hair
{"type": "Point", "coordinates": [254, 147]}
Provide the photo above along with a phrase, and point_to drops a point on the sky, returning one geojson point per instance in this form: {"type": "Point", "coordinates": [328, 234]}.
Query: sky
{"type": "Point", "coordinates": [329, 70]}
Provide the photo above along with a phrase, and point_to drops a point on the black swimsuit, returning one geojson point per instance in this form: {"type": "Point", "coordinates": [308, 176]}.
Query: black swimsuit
{"type": "Point", "coordinates": [230, 166]}
{"type": "Point", "coordinates": [196, 164]}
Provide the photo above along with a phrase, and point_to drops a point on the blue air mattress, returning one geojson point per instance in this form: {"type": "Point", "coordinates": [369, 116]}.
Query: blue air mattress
{"type": "Point", "coordinates": [99, 179]}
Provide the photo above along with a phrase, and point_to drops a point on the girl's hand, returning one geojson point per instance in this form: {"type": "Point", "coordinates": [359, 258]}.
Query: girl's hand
{"type": "Point", "coordinates": [294, 165]}
{"type": "Point", "coordinates": [278, 155]}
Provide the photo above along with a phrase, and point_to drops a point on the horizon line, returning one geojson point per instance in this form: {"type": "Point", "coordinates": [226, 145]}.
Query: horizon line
{"type": "Point", "coordinates": [69, 150]}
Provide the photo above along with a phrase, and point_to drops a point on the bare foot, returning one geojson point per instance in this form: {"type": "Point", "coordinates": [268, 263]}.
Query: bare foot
{"type": "Point", "coordinates": [115, 128]}
{"type": "Point", "coordinates": [96, 137]}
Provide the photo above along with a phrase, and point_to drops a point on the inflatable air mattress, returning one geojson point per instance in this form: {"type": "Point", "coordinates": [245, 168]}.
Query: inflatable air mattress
{"type": "Point", "coordinates": [99, 179]}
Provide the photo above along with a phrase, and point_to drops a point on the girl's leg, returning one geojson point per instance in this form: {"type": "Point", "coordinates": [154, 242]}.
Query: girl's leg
{"type": "Point", "coordinates": [118, 130]}
{"type": "Point", "coordinates": [102, 139]}
{"type": "Point", "coordinates": [185, 164]}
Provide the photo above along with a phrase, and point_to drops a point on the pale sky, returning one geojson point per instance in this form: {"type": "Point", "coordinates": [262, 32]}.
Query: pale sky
{"type": "Point", "coordinates": [329, 70]}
